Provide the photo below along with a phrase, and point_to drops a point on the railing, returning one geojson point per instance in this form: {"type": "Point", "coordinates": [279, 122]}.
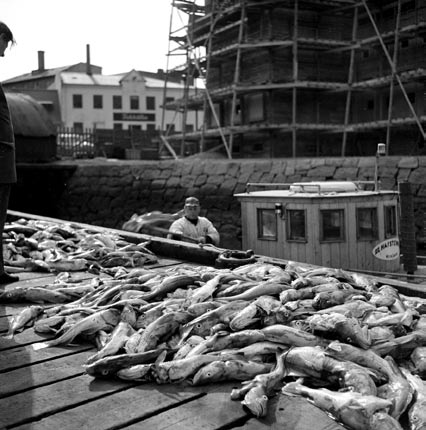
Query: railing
{"type": "Point", "coordinates": [110, 143]}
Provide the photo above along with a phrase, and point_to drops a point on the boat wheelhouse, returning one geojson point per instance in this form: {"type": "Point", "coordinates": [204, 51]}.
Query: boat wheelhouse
{"type": "Point", "coordinates": [339, 224]}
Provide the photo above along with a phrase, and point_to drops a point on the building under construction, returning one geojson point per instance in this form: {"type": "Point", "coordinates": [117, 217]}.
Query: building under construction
{"type": "Point", "coordinates": [296, 78]}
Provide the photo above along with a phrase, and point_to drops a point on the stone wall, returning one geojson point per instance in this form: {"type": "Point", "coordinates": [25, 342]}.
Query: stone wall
{"type": "Point", "coordinates": [107, 193]}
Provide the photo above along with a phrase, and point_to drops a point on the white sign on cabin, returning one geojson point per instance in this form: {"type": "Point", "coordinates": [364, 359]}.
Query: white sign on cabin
{"type": "Point", "coordinates": [387, 250]}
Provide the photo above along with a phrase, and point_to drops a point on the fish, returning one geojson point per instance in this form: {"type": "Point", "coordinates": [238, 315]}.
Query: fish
{"type": "Point", "coordinates": [252, 313]}
{"type": "Point", "coordinates": [381, 420]}
{"type": "Point", "coordinates": [49, 324]}
{"type": "Point", "coordinates": [198, 309]}
{"type": "Point", "coordinates": [162, 327]}
{"type": "Point", "coordinates": [34, 295]}
{"type": "Point", "coordinates": [401, 346]}
{"type": "Point", "coordinates": [291, 336]}
{"type": "Point", "coordinates": [260, 348]}
{"type": "Point", "coordinates": [176, 371]}
{"type": "Point", "coordinates": [367, 358]}
{"type": "Point", "coordinates": [348, 329]}
{"type": "Point", "coordinates": [327, 299]}
{"type": "Point", "coordinates": [230, 370]}
{"type": "Point", "coordinates": [137, 372]}
{"type": "Point", "coordinates": [262, 289]}
{"type": "Point", "coordinates": [417, 410]}
{"type": "Point", "coordinates": [353, 409]}
{"type": "Point", "coordinates": [104, 319]}
{"type": "Point", "coordinates": [353, 308]}
{"type": "Point", "coordinates": [418, 358]}
{"type": "Point", "coordinates": [187, 346]}
{"type": "Point", "coordinates": [219, 341]}
{"type": "Point", "coordinates": [223, 314]}
{"type": "Point", "coordinates": [257, 390]}
{"type": "Point", "coordinates": [117, 340]}
{"type": "Point", "coordinates": [110, 365]}
{"type": "Point", "coordinates": [398, 390]}
{"type": "Point", "coordinates": [404, 318]}
{"type": "Point", "coordinates": [24, 317]}
{"type": "Point", "coordinates": [170, 284]}
{"type": "Point", "coordinates": [207, 290]}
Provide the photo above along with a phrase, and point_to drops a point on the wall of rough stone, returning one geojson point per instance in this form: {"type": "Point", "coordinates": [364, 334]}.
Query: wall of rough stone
{"type": "Point", "coordinates": [107, 193]}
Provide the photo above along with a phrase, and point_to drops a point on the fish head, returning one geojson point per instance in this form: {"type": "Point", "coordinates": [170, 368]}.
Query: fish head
{"type": "Point", "coordinates": [417, 416]}
{"type": "Point", "coordinates": [212, 372]}
{"type": "Point", "coordinates": [256, 401]}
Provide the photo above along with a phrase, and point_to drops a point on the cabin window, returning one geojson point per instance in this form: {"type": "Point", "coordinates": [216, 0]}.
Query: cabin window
{"type": "Point", "coordinates": [390, 221]}
{"type": "Point", "coordinates": [296, 225]}
{"type": "Point", "coordinates": [366, 223]}
{"type": "Point", "coordinates": [266, 224]}
{"type": "Point", "coordinates": [332, 222]}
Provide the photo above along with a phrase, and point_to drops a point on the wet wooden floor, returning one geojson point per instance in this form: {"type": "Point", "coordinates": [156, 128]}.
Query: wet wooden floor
{"type": "Point", "coordinates": [48, 389]}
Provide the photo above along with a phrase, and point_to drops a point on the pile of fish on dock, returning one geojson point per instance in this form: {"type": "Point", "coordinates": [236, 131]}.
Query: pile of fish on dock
{"type": "Point", "coordinates": [354, 348]}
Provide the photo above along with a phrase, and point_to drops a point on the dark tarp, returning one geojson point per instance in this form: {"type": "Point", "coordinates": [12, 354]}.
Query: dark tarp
{"type": "Point", "coordinates": [29, 117]}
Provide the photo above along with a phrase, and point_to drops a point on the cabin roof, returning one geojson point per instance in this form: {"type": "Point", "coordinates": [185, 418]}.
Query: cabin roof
{"type": "Point", "coordinates": [318, 189]}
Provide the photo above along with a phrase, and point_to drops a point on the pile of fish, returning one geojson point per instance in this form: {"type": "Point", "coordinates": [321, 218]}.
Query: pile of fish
{"type": "Point", "coordinates": [46, 246]}
{"type": "Point", "coordinates": [354, 348]}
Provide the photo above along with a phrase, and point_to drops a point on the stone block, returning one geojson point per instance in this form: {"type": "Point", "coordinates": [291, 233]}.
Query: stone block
{"type": "Point", "coordinates": [408, 163]}
{"type": "Point", "coordinates": [322, 172]}
{"type": "Point", "coordinates": [418, 176]}
{"type": "Point", "coordinates": [346, 174]}
{"type": "Point", "coordinates": [200, 180]}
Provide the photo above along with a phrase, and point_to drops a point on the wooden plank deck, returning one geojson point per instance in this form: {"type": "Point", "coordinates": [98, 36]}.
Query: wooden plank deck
{"type": "Point", "coordinates": [48, 389]}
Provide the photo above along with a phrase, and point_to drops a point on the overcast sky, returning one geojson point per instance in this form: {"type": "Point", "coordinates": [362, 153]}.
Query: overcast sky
{"type": "Point", "coordinates": [122, 34]}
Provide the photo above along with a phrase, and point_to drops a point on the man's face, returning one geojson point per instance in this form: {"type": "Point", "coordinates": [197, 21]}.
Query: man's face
{"type": "Point", "coordinates": [4, 43]}
{"type": "Point", "coordinates": [192, 210]}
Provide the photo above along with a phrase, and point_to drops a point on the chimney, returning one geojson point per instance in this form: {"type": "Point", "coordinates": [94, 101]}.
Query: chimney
{"type": "Point", "coordinates": [41, 61]}
{"type": "Point", "coordinates": [88, 66]}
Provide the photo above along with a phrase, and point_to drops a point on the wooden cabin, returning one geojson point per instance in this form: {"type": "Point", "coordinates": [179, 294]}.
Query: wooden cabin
{"type": "Point", "coordinates": [332, 224]}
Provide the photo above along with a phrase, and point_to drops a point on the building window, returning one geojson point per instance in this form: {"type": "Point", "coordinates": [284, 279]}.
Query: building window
{"type": "Point", "coordinates": [266, 224]}
{"type": "Point", "coordinates": [117, 102]}
{"type": "Point", "coordinates": [77, 101]}
{"type": "Point", "coordinates": [370, 104]}
{"type": "Point", "coordinates": [332, 224]}
{"type": "Point", "coordinates": [412, 97]}
{"type": "Point", "coordinates": [366, 53]}
{"type": "Point", "coordinates": [135, 127]}
{"type": "Point", "coordinates": [189, 128]}
{"type": "Point", "coordinates": [78, 127]}
{"type": "Point", "coordinates": [97, 102]}
{"type": "Point", "coordinates": [296, 225]}
{"type": "Point", "coordinates": [118, 126]}
{"type": "Point", "coordinates": [390, 221]}
{"type": "Point", "coordinates": [134, 102]}
{"type": "Point", "coordinates": [169, 99]}
{"type": "Point", "coordinates": [150, 127]}
{"type": "Point", "coordinates": [150, 103]}
{"type": "Point", "coordinates": [366, 223]}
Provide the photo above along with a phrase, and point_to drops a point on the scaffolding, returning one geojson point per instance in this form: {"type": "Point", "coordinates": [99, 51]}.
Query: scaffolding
{"type": "Point", "coordinates": [288, 77]}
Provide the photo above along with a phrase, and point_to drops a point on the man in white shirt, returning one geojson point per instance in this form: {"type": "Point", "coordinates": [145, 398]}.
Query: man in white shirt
{"type": "Point", "coordinates": [193, 226]}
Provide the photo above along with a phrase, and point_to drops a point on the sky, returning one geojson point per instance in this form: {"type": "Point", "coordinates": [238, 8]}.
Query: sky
{"type": "Point", "coordinates": [122, 34]}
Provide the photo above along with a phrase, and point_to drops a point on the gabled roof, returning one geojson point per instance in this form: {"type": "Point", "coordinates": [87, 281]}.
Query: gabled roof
{"type": "Point", "coordinates": [42, 74]}
{"type": "Point", "coordinates": [74, 78]}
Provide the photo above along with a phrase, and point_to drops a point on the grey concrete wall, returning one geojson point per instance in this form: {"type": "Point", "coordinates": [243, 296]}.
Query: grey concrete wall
{"type": "Point", "coordinates": [107, 193]}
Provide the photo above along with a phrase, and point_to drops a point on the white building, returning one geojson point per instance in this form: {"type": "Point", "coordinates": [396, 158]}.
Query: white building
{"type": "Point", "coordinates": [80, 96]}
